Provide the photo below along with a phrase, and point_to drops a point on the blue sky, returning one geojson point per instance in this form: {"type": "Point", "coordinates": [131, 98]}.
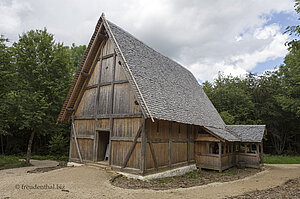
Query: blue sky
{"type": "Point", "coordinates": [283, 19]}
{"type": "Point", "coordinates": [207, 37]}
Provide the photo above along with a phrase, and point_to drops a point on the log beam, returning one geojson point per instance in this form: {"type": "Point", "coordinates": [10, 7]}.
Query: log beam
{"type": "Point", "coordinates": [133, 145]}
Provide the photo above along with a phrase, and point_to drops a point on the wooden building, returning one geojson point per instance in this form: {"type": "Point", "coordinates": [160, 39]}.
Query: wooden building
{"type": "Point", "coordinates": [143, 112]}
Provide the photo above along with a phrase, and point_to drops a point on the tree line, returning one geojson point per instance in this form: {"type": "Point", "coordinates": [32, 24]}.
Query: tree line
{"type": "Point", "coordinates": [36, 73]}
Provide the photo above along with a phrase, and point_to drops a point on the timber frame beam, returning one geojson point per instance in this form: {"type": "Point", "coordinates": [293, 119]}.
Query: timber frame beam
{"type": "Point", "coordinates": [133, 144]}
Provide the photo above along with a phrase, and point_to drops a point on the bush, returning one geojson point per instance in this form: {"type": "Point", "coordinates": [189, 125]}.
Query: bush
{"type": "Point", "coordinates": [58, 145]}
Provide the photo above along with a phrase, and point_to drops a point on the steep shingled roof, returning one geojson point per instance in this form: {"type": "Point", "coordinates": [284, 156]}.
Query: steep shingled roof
{"type": "Point", "coordinates": [170, 91]}
{"type": "Point", "coordinates": [224, 134]}
{"type": "Point", "coordinates": [247, 133]}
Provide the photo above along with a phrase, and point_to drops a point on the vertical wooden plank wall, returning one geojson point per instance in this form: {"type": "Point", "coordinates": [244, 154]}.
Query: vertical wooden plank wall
{"type": "Point", "coordinates": [172, 144]}
{"type": "Point", "coordinates": [108, 103]}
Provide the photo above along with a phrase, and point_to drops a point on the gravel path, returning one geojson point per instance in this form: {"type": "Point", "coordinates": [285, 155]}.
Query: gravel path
{"type": "Point", "coordinates": [87, 182]}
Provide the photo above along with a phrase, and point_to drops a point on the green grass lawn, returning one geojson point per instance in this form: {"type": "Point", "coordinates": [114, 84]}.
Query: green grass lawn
{"type": "Point", "coordinates": [50, 157]}
{"type": "Point", "coordinates": [11, 161]}
{"type": "Point", "coordinates": [281, 159]}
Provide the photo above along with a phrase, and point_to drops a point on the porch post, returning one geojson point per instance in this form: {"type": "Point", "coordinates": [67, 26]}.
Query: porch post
{"type": "Point", "coordinates": [262, 152]}
{"type": "Point", "coordinates": [220, 156]}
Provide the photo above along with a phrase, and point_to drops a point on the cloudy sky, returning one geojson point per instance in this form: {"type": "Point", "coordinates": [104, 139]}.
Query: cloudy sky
{"type": "Point", "coordinates": [206, 36]}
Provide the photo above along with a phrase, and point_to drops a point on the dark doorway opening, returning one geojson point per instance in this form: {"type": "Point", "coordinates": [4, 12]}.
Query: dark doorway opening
{"type": "Point", "coordinates": [103, 146]}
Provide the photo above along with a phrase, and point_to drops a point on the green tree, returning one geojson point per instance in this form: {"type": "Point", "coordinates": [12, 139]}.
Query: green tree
{"type": "Point", "coordinates": [231, 100]}
{"type": "Point", "coordinates": [7, 84]}
{"type": "Point", "coordinates": [44, 75]}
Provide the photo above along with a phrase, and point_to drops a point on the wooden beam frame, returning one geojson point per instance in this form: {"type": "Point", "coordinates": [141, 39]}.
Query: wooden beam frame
{"type": "Point", "coordinates": [111, 109]}
{"type": "Point", "coordinates": [220, 157]}
{"type": "Point", "coordinates": [95, 144]}
{"type": "Point", "coordinates": [108, 56]}
{"type": "Point", "coordinates": [76, 142]}
{"type": "Point", "coordinates": [153, 154]}
{"type": "Point", "coordinates": [107, 84]}
{"type": "Point", "coordinates": [189, 142]}
{"type": "Point", "coordinates": [170, 144]}
{"type": "Point", "coordinates": [133, 144]}
{"type": "Point", "coordinates": [143, 146]}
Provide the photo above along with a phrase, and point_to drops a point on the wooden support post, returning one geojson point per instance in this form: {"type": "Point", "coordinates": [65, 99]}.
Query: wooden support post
{"type": "Point", "coordinates": [170, 143]}
{"type": "Point", "coordinates": [262, 152]}
{"type": "Point", "coordinates": [84, 74]}
{"type": "Point", "coordinates": [96, 137]}
{"type": "Point", "coordinates": [245, 146]}
{"type": "Point", "coordinates": [207, 148]}
{"type": "Point", "coordinates": [143, 147]}
{"type": "Point", "coordinates": [189, 143]}
{"type": "Point", "coordinates": [75, 138]}
{"type": "Point", "coordinates": [111, 119]}
{"type": "Point", "coordinates": [224, 148]}
{"type": "Point", "coordinates": [133, 145]}
{"type": "Point", "coordinates": [153, 154]}
{"type": "Point", "coordinates": [257, 153]}
{"type": "Point", "coordinates": [71, 142]}
{"type": "Point", "coordinates": [220, 156]}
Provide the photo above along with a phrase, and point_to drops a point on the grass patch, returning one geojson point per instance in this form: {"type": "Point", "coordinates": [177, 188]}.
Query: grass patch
{"type": "Point", "coordinates": [164, 180]}
{"type": "Point", "coordinates": [7, 162]}
{"type": "Point", "coordinates": [281, 159]}
{"type": "Point", "coordinates": [193, 174]}
{"type": "Point", "coordinates": [50, 157]}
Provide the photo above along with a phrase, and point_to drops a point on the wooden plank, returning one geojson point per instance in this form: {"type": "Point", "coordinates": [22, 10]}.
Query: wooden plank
{"type": "Point", "coordinates": [87, 80]}
{"type": "Point", "coordinates": [261, 153]}
{"type": "Point", "coordinates": [90, 54]}
{"type": "Point", "coordinates": [143, 146]}
{"type": "Point", "coordinates": [134, 115]}
{"type": "Point", "coordinates": [111, 119]}
{"type": "Point", "coordinates": [153, 154]}
{"type": "Point", "coordinates": [95, 144]}
{"type": "Point", "coordinates": [170, 144]}
{"type": "Point", "coordinates": [84, 74]}
{"type": "Point", "coordinates": [157, 140]}
{"type": "Point", "coordinates": [108, 116]}
{"type": "Point", "coordinates": [76, 142]}
{"type": "Point", "coordinates": [126, 139]}
{"type": "Point", "coordinates": [108, 56]}
{"type": "Point", "coordinates": [133, 145]}
{"type": "Point", "coordinates": [71, 144]}
{"type": "Point", "coordinates": [210, 139]}
{"type": "Point", "coordinates": [102, 129]}
{"type": "Point", "coordinates": [84, 136]}
{"type": "Point", "coordinates": [91, 87]}
{"type": "Point", "coordinates": [220, 157]}
{"type": "Point", "coordinates": [179, 140]}
{"type": "Point", "coordinates": [84, 117]}
{"type": "Point", "coordinates": [189, 142]}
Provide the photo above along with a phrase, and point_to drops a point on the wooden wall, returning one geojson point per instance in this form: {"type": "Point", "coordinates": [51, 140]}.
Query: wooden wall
{"type": "Point", "coordinates": [172, 143]}
{"type": "Point", "coordinates": [107, 103]}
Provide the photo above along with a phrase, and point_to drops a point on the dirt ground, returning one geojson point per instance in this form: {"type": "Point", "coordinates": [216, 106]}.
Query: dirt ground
{"type": "Point", "coordinates": [88, 182]}
{"type": "Point", "coordinates": [289, 190]}
{"type": "Point", "coordinates": [191, 179]}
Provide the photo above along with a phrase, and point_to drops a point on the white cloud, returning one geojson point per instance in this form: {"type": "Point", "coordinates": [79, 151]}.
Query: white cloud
{"type": "Point", "coordinates": [10, 18]}
{"type": "Point", "coordinates": [205, 36]}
